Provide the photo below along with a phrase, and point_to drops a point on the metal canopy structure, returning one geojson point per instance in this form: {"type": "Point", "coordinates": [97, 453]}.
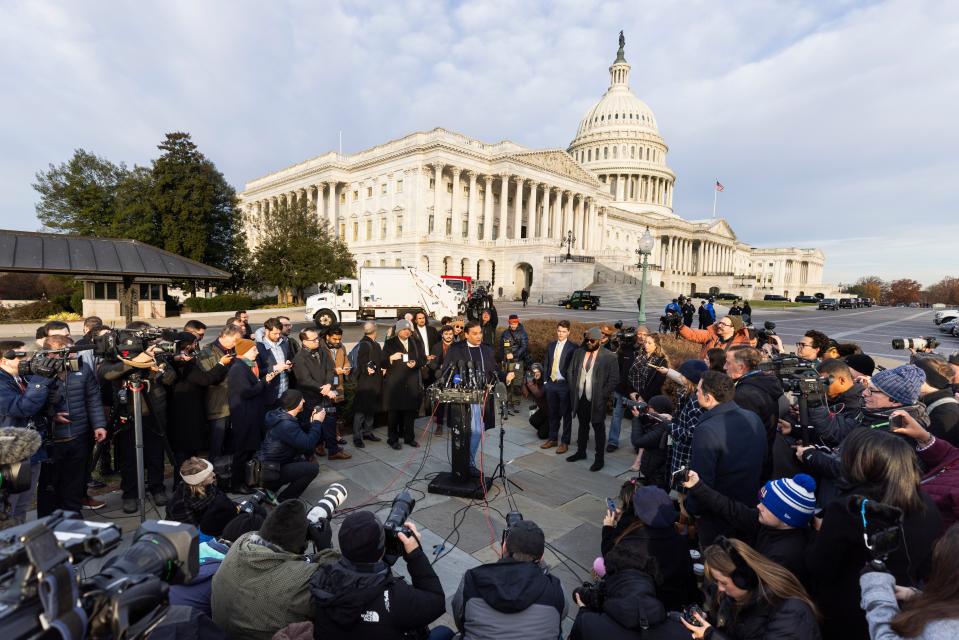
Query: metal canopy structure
{"type": "Point", "coordinates": [83, 256]}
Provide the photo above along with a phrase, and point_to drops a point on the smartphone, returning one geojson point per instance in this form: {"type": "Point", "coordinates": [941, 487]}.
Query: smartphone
{"type": "Point", "coordinates": [406, 357]}
{"type": "Point", "coordinates": [680, 476]}
{"type": "Point", "coordinates": [611, 504]}
{"type": "Point", "coordinates": [897, 422]}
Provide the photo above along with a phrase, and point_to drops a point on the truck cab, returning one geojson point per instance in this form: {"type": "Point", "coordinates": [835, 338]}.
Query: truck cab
{"type": "Point", "coordinates": [336, 302]}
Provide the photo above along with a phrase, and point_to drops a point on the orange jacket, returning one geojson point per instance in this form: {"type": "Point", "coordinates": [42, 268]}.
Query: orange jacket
{"type": "Point", "coordinates": [710, 339]}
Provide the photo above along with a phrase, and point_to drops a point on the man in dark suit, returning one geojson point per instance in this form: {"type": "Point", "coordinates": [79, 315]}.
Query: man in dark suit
{"type": "Point", "coordinates": [558, 354]}
{"type": "Point", "coordinates": [474, 350]}
{"type": "Point", "coordinates": [403, 385]}
{"type": "Point", "coordinates": [593, 374]}
{"type": "Point", "coordinates": [273, 351]}
{"type": "Point", "coordinates": [426, 337]}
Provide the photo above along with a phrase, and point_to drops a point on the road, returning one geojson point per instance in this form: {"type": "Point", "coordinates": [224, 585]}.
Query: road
{"type": "Point", "coordinates": [872, 329]}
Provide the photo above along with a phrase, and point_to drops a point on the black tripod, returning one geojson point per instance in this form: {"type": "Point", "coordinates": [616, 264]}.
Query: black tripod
{"type": "Point", "coordinates": [501, 395]}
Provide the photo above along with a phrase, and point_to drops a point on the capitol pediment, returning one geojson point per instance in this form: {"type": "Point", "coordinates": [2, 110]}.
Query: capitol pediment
{"type": "Point", "coordinates": [556, 162]}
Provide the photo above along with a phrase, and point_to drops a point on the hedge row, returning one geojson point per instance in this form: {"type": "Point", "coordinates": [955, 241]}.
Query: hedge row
{"type": "Point", "coordinates": [225, 302]}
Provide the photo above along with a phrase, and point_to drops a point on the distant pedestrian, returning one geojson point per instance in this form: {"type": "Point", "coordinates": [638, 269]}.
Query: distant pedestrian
{"type": "Point", "coordinates": [705, 319]}
{"type": "Point", "coordinates": [524, 295]}
{"type": "Point", "coordinates": [747, 313]}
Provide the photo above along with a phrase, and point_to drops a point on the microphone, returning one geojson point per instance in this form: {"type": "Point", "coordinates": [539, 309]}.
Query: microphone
{"type": "Point", "coordinates": [471, 370]}
{"type": "Point", "coordinates": [457, 373]}
{"type": "Point", "coordinates": [500, 392]}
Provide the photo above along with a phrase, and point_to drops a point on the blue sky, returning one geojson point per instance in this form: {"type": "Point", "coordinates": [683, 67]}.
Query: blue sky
{"type": "Point", "coordinates": [827, 122]}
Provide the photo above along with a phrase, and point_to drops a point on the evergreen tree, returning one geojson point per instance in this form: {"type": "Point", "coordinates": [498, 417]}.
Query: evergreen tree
{"type": "Point", "coordinates": [79, 196]}
{"type": "Point", "coordinates": [135, 216]}
{"type": "Point", "coordinates": [295, 250]}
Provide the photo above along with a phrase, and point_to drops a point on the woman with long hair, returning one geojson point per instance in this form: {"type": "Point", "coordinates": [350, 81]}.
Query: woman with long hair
{"type": "Point", "coordinates": [644, 376]}
{"type": "Point", "coordinates": [686, 414]}
{"type": "Point", "coordinates": [883, 468]}
{"type": "Point", "coordinates": [927, 614]}
{"type": "Point", "coordinates": [197, 499]}
{"type": "Point", "coordinates": [755, 597]}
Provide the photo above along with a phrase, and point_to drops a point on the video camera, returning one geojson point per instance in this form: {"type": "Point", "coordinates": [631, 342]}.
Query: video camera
{"type": "Point", "coordinates": [763, 335]}
{"type": "Point", "coordinates": [624, 337]}
{"type": "Point", "coordinates": [40, 589]}
{"type": "Point", "coordinates": [796, 374]}
{"type": "Point", "coordinates": [258, 498]}
{"type": "Point", "coordinates": [395, 524]}
{"type": "Point", "coordinates": [916, 344]}
{"type": "Point", "coordinates": [129, 343]}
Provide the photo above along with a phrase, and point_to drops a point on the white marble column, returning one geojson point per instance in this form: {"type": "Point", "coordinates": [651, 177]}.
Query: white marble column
{"type": "Point", "coordinates": [488, 208]}
{"type": "Point", "coordinates": [472, 219]}
{"type": "Point", "coordinates": [438, 217]}
{"type": "Point", "coordinates": [602, 232]}
{"type": "Point", "coordinates": [331, 208]}
{"type": "Point", "coordinates": [590, 243]}
{"type": "Point", "coordinates": [503, 199]}
{"type": "Point", "coordinates": [580, 216]}
{"type": "Point", "coordinates": [568, 214]}
{"type": "Point", "coordinates": [518, 208]}
{"type": "Point", "coordinates": [533, 229]}
{"type": "Point", "coordinates": [456, 227]}
{"type": "Point", "coordinates": [555, 203]}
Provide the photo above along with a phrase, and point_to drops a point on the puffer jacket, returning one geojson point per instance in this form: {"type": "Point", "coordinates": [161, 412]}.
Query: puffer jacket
{"type": "Point", "coordinates": [791, 619]}
{"type": "Point", "coordinates": [78, 394]}
{"type": "Point", "coordinates": [260, 588]}
{"type": "Point", "coordinates": [353, 602]}
{"type": "Point", "coordinates": [509, 599]}
{"type": "Point", "coordinates": [710, 339]}
{"type": "Point", "coordinates": [629, 610]}
{"type": "Point", "coordinates": [941, 480]}
{"type": "Point", "coordinates": [18, 406]}
{"type": "Point", "coordinates": [285, 440]}
{"type": "Point", "coordinates": [519, 341]}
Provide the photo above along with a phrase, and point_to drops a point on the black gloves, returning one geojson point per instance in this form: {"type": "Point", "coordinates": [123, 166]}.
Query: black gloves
{"type": "Point", "coordinates": [321, 535]}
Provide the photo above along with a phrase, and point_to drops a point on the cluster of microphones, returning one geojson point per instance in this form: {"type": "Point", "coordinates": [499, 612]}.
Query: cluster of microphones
{"type": "Point", "coordinates": [463, 374]}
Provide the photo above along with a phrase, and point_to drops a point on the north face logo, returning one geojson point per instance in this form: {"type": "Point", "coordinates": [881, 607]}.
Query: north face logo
{"type": "Point", "coordinates": [370, 616]}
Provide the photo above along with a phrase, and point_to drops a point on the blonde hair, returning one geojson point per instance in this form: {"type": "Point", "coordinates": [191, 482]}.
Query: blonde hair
{"type": "Point", "coordinates": [192, 466]}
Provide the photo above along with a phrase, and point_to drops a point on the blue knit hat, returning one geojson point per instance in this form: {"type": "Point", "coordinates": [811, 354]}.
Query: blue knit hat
{"type": "Point", "coordinates": [901, 384]}
{"type": "Point", "coordinates": [792, 500]}
{"type": "Point", "coordinates": [693, 370]}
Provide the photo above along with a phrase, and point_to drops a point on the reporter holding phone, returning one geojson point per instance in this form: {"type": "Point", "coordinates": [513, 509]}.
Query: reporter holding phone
{"type": "Point", "coordinates": [286, 444]}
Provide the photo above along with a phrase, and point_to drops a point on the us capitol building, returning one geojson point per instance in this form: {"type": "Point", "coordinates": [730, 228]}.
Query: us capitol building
{"type": "Point", "coordinates": [449, 204]}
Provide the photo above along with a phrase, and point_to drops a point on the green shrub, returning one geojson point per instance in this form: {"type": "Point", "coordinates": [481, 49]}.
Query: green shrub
{"type": "Point", "coordinates": [28, 312]}
{"type": "Point", "coordinates": [76, 301]}
{"type": "Point", "coordinates": [264, 302]}
{"type": "Point", "coordinates": [226, 302]}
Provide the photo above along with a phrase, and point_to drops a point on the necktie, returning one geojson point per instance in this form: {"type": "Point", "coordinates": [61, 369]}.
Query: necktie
{"type": "Point", "coordinates": [554, 370]}
{"type": "Point", "coordinates": [588, 364]}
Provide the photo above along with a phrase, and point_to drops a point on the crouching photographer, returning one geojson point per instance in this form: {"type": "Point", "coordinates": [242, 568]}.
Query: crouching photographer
{"type": "Point", "coordinates": [534, 387]}
{"type": "Point", "coordinates": [198, 500]}
{"type": "Point", "coordinates": [358, 597]}
{"type": "Point", "coordinates": [282, 458]}
{"type": "Point", "coordinates": [263, 584]}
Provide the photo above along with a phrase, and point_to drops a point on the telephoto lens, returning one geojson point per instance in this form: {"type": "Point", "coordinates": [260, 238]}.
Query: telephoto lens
{"type": "Point", "coordinates": [334, 496]}
{"type": "Point", "coordinates": [916, 344]}
{"type": "Point", "coordinates": [400, 512]}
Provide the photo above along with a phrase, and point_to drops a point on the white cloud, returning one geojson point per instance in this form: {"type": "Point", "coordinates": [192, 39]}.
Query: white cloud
{"type": "Point", "coordinates": [825, 121]}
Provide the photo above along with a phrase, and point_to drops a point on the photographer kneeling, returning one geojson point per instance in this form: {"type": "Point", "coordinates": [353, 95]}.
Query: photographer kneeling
{"type": "Point", "coordinates": [263, 583]}
{"type": "Point", "coordinates": [358, 597]}
{"type": "Point", "coordinates": [198, 501]}
{"type": "Point", "coordinates": [282, 456]}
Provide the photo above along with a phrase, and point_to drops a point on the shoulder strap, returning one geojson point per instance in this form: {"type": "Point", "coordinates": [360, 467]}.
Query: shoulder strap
{"type": "Point", "coordinates": [941, 401]}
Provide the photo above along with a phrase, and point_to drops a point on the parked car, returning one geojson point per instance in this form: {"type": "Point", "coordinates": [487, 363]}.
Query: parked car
{"type": "Point", "coordinates": [945, 315]}
{"type": "Point", "coordinates": [773, 297]}
{"type": "Point", "coordinates": [726, 296]}
{"type": "Point", "coordinates": [868, 302]}
{"type": "Point", "coordinates": [949, 327]}
{"type": "Point", "coordinates": [580, 300]}
{"type": "Point", "coordinates": [828, 303]}
{"type": "Point", "coordinates": [808, 299]}
{"type": "Point", "coordinates": [846, 303]}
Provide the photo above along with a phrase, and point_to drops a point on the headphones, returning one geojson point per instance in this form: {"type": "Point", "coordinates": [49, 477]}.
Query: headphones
{"type": "Point", "coordinates": [743, 576]}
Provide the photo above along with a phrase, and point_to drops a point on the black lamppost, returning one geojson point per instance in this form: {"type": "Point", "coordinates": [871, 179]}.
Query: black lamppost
{"type": "Point", "coordinates": [646, 245]}
{"type": "Point", "coordinates": [568, 243]}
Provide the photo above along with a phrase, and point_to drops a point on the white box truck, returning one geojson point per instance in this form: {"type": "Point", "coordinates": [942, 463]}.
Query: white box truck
{"type": "Point", "coordinates": [381, 292]}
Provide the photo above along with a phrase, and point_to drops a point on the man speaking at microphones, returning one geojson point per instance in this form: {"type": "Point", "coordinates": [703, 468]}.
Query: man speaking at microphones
{"type": "Point", "coordinates": [481, 371]}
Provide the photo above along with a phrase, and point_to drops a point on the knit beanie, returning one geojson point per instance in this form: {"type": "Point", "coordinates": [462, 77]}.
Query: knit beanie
{"type": "Point", "coordinates": [861, 363]}
{"type": "Point", "coordinates": [653, 506]}
{"type": "Point", "coordinates": [693, 370]}
{"type": "Point", "coordinates": [737, 322]}
{"type": "Point", "coordinates": [901, 384]}
{"type": "Point", "coordinates": [792, 500]}
{"type": "Point", "coordinates": [286, 526]}
{"type": "Point", "coordinates": [243, 345]}
{"type": "Point", "coordinates": [362, 538]}
{"type": "Point", "coordinates": [291, 399]}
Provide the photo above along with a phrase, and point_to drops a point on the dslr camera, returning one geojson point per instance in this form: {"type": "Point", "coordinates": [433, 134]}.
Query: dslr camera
{"type": "Point", "coordinates": [916, 344]}
{"type": "Point", "coordinates": [882, 524]}
{"type": "Point", "coordinates": [593, 594]}
{"type": "Point", "coordinates": [395, 524]}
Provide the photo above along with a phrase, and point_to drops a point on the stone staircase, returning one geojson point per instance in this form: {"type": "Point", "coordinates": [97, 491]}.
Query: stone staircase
{"type": "Point", "coordinates": [618, 290]}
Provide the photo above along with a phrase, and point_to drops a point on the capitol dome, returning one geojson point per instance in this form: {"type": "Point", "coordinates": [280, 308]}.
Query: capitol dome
{"type": "Point", "coordinates": [618, 141]}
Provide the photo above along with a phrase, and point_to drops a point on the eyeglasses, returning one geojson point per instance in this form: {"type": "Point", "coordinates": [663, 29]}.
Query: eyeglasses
{"type": "Point", "coordinates": [803, 345]}
{"type": "Point", "coordinates": [311, 339]}
{"type": "Point", "coordinates": [868, 391]}
{"type": "Point", "coordinates": [724, 324]}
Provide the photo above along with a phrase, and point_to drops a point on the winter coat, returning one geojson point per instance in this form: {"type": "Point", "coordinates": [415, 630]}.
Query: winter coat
{"type": "Point", "coordinates": [784, 546]}
{"type": "Point", "coordinates": [759, 392]}
{"type": "Point", "coordinates": [837, 555]}
{"type": "Point", "coordinates": [709, 338]}
{"type": "Point", "coordinates": [509, 599]}
{"type": "Point", "coordinates": [605, 376]}
{"type": "Point", "coordinates": [651, 436]}
{"type": "Point", "coordinates": [879, 603]}
{"type": "Point", "coordinates": [78, 394]}
{"type": "Point", "coordinates": [369, 388]}
{"type": "Point", "coordinates": [154, 407]}
{"type": "Point", "coordinates": [402, 386]}
{"type": "Point", "coordinates": [729, 448]}
{"type": "Point", "coordinates": [184, 506]}
{"type": "Point", "coordinates": [630, 607]}
{"type": "Point", "coordinates": [261, 588]}
{"type": "Point", "coordinates": [519, 341]}
{"type": "Point", "coordinates": [187, 414]}
{"type": "Point", "coordinates": [941, 480]}
{"type": "Point", "coordinates": [285, 440]}
{"type": "Point", "coordinates": [643, 378]}
{"type": "Point", "coordinates": [484, 363]}
{"type": "Point", "coordinates": [313, 369]}
{"type": "Point", "coordinates": [18, 406]}
{"type": "Point", "coordinates": [944, 418]}
{"type": "Point", "coordinates": [791, 619]}
{"type": "Point", "coordinates": [624, 357]}
{"type": "Point", "coordinates": [489, 328]}
{"type": "Point", "coordinates": [217, 398]}
{"type": "Point", "coordinates": [370, 603]}
{"type": "Point", "coordinates": [677, 582]}
{"type": "Point", "coordinates": [681, 430]}
{"type": "Point", "coordinates": [704, 316]}
{"type": "Point", "coordinates": [247, 395]}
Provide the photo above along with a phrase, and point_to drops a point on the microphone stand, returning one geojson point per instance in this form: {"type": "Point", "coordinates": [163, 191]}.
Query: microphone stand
{"type": "Point", "coordinates": [499, 472]}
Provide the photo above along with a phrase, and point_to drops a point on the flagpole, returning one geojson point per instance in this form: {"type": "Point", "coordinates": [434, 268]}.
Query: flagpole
{"type": "Point", "coordinates": [715, 195]}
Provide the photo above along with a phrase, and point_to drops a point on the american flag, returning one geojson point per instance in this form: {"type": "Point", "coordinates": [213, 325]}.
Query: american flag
{"type": "Point", "coordinates": [719, 186]}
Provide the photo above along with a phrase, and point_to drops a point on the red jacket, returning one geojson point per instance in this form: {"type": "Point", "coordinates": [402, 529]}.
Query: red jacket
{"type": "Point", "coordinates": [710, 339]}
{"type": "Point", "coordinates": [941, 482]}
